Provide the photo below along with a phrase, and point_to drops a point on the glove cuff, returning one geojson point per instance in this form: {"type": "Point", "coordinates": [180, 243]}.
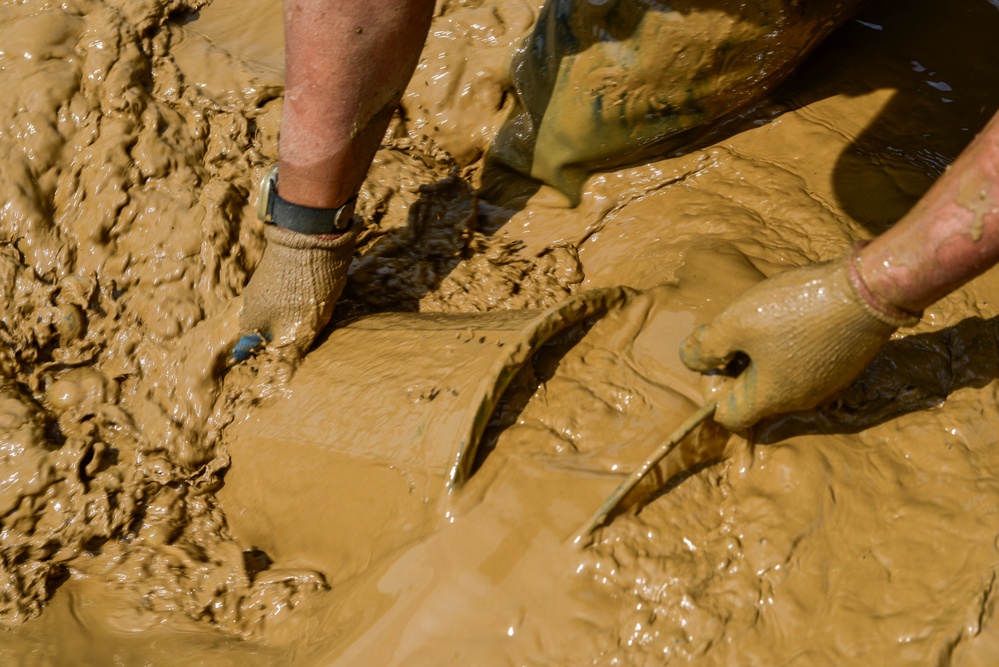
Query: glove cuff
{"type": "Point", "coordinates": [298, 241]}
{"type": "Point", "coordinates": [873, 304]}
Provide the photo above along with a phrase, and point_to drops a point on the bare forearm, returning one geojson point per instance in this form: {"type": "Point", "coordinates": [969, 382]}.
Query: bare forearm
{"type": "Point", "coordinates": [949, 237]}
{"type": "Point", "coordinates": [347, 65]}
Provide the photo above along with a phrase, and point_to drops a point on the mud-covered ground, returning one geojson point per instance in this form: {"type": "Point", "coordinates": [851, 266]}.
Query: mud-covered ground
{"type": "Point", "coordinates": [159, 508]}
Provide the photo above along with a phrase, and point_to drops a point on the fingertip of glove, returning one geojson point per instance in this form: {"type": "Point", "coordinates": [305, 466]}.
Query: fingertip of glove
{"type": "Point", "coordinates": [246, 345]}
{"type": "Point", "coordinates": [735, 409]}
{"type": "Point", "coordinates": [691, 352]}
{"type": "Point", "coordinates": [729, 417]}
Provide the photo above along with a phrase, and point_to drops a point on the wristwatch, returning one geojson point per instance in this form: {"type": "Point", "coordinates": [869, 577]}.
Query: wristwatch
{"type": "Point", "coordinates": [302, 219]}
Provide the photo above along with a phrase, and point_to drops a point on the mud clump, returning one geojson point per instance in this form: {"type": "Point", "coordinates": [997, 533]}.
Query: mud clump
{"type": "Point", "coordinates": [124, 188]}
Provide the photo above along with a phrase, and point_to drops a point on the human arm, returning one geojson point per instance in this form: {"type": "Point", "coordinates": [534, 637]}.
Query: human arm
{"type": "Point", "coordinates": [949, 237]}
{"type": "Point", "coordinates": [809, 332]}
{"type": "Point", "coordinates": [347, 65]}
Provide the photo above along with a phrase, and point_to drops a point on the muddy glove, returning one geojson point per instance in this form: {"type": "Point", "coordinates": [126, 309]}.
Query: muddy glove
{"type": "Point", "coordinates": [808, 333]}
{"type": "Point", "coordinates": [291, 295]}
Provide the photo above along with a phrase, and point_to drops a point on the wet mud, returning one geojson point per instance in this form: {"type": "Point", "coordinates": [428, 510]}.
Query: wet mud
{"type": "Point", "coordinates": [159, 507]}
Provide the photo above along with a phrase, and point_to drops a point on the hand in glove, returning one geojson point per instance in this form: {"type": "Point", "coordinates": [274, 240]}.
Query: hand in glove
{"type": "Point", "coordinates": [808, 333]}
{"type": "Point", "coordinates": [291, 295]}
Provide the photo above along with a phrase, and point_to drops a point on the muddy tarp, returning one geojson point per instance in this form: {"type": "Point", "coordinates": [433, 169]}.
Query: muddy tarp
{"type": "Point", "coordinates": [602, 83]}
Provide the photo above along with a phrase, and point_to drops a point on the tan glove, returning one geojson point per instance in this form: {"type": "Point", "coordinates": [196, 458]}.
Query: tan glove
{"type": "Point", "coordinates": [291, 295]}
{"type": "Point", "coordinates": [808, 333]}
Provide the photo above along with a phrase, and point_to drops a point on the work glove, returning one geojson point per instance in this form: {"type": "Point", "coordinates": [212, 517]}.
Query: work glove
{"type": "Point", "coordinates": [807, 333]}
{"type": "Point", "coordinates": [291, 295]}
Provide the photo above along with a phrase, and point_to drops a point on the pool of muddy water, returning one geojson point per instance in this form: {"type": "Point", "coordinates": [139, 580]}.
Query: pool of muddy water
{"type": "Point", "coordinates": [159, 507]}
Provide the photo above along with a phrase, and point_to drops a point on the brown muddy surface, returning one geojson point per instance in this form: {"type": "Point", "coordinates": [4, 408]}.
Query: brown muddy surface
{"type": "Point", "coordinates": [158, 508]}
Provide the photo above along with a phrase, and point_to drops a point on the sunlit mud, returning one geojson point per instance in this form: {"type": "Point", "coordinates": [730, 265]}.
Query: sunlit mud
{"type": "Point", "coordinates": [162, 507]}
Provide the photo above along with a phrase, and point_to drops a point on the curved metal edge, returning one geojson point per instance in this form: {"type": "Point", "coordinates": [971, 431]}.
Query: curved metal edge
{"type": "Point", "coordinates": [700, 416]}
{"type": "Point", "coordinates": [573, 310]}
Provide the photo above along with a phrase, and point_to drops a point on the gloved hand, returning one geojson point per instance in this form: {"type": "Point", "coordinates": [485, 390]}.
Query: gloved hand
{"type": "Point", "coordinates": [291, 295]}
{"type": "Point", "coordinates": [808, 333]}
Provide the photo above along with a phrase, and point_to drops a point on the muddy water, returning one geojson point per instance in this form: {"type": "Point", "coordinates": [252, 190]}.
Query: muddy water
{"type": "Point", "coordinates": [150, 516]}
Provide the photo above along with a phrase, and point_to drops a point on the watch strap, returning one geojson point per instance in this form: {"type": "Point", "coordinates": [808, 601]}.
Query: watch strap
{"type": "Point", "coordinates": [302, 219]}
{"type": "Point", "coordinates": [308, 220]}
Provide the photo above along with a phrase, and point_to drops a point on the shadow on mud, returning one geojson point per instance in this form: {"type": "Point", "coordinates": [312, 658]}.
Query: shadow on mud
{"type": "Point", "coordinates": [945, 90]}
{"type": "Point", "coordinates": [910, 374]}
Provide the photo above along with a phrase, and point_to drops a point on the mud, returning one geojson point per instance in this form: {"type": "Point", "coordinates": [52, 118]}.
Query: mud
{"type": "Point", "coordinates": [158, 507]}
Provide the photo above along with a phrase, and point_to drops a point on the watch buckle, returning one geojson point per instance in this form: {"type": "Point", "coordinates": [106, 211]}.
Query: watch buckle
{"type": "Point", "coordinates": [264, 199]}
